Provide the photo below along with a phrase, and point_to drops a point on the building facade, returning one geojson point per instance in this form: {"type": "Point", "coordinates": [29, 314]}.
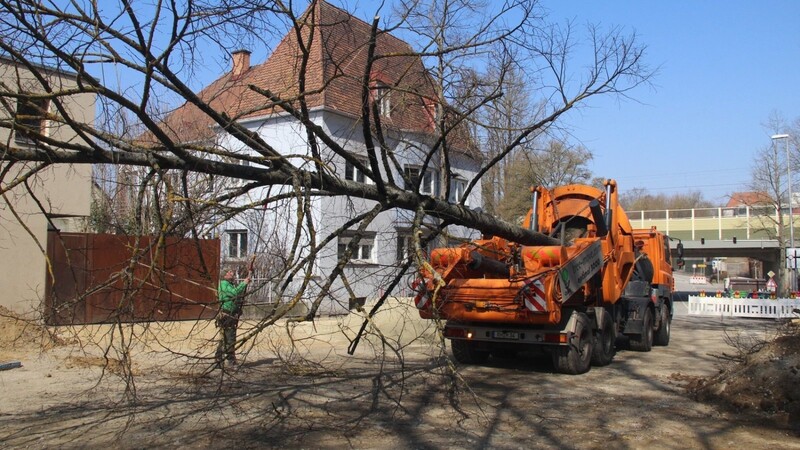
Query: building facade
{"type": "Point", "coordinates": [404, 95]}
{"type": "Point", "coordinates": [57, 197]}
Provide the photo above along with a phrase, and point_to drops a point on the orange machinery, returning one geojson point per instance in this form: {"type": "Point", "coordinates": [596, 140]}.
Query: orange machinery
{"type": "Point", "coordinates": [569, 298]}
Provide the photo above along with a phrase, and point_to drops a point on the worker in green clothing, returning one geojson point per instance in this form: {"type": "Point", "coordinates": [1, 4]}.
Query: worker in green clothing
{"type": "Point", "coordinates": [230, 306]}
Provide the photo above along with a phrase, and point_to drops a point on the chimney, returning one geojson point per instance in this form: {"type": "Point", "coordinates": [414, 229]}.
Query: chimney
{"type": "Point", "coordinates": [241, 62]}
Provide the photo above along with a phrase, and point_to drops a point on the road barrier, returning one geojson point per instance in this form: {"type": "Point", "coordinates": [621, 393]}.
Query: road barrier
{"type": "Point", "coordinates": [743, 307]}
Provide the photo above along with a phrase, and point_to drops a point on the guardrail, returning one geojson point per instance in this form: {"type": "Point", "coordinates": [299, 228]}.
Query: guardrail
{"type": "Point", "coordinates": [743, 307]}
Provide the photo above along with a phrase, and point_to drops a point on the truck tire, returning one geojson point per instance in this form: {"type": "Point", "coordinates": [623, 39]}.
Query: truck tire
{"type": "Point", "coordinates": [466, 352]}
{"type": "Point", "coordinates": [644, 342]}
{"type": "Point", "coordinates": [576, 357]}
{"type": "Point", "coordinates": [662, 334]}
{"type": "Point", "coordinates": [603, 350]}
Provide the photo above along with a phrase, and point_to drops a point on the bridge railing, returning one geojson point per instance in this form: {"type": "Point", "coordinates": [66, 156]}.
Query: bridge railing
{"type": "Point", "coordinates": [713, 223]}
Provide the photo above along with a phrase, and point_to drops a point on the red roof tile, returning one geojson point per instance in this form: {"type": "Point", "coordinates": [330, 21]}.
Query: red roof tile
{"type": "Point", "coordinates": [335, 73]}
{"type": "Point", "coordinates": [749, 199]}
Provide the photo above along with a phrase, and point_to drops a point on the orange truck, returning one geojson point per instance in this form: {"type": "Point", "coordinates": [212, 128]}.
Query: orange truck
{"type": "Point", "coordinates": [595, 279]}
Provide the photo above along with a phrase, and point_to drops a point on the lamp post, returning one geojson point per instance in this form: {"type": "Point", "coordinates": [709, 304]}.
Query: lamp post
{"type": "Point", "coordinates": [776, 137]}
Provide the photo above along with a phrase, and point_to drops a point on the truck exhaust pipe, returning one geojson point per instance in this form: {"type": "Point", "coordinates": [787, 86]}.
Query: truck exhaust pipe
{"type": "Point", "coordinates": [599, 220]}
{"type": "Point", "coordinates": [608, 206]}
{"type": "Point", "coordinates": [534, 213]}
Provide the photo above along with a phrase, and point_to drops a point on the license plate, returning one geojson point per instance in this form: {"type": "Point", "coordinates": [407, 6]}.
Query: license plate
{"type": "Point", "coordinates": [505, 335]}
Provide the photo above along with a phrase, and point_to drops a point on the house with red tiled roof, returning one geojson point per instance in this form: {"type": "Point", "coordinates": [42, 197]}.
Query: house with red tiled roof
{"type": "Point", "coordinates": [762, 202]}
{"type": "Point", "coordinates": [750, 198]}
{"type": "Point", "coordinates": [404, 94]}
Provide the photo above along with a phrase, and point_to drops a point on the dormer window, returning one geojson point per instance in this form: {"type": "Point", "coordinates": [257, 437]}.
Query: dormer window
{"type": "Point", "coordinates": [382, 96]}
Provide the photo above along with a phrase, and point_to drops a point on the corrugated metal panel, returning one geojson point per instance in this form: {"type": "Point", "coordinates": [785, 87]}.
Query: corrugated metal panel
{"type": "Point", "coordinates": [100, 278]}
{"type": "Point", "coordinates": [66, 276]}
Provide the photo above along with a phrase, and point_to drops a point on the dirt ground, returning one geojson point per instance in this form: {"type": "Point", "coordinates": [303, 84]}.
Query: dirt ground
{"type": "Point", "coordinates": [75, 389]}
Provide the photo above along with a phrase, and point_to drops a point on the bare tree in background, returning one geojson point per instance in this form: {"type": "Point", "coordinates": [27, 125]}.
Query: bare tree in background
{"type": "Point", "coordinates": [500, 124]}
{"type": "Point", "coordinates": [640, 199]}
{"type": "Point", "coordinates": [554, 165]}
{"type": "Point", "coordinates": [476, 56]}
{"type": "Point", "coordinates": [770, 186]}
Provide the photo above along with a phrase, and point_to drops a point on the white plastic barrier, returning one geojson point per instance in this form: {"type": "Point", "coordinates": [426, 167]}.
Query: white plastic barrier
{"type": "Point", "coordinates": [743, 307]}
{"type": "Point", "coordinates": [698, 279]}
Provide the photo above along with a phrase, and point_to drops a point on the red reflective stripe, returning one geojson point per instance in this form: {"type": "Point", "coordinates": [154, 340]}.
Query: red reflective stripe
{"type": "Point", "coordinates": [535, 305]}
{"type": "Point", "coordinates": [533, 296]}
{"type": "Point", "coordinates": [538, 289]}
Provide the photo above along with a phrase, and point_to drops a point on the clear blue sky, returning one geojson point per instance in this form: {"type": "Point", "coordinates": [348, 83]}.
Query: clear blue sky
{"type": "Point", "coordinates": [724, 68]}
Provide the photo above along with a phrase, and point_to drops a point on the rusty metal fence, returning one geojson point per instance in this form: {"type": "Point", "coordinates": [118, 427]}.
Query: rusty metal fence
{"type": "Point", "coordinates": [102, 278]}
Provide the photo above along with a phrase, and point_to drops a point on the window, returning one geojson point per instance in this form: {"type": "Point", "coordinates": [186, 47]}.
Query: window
{"type": "Point", "coordinates": [362, 253]}
{"type": "Point", "coordinates": [352, 173]}
{"type": "Point", "coordinates": [405, 246]}
{"type": "Point", "coordinates": [30, 119]}
{"type": "Point", "coordinates": [237, 243]}
{"type": "Point", "coordinates": [457, 188]}
{"type": "Point", "coordinates": [383, 97]}
{"type": "Point", "coordinates": [666, 250]}
{"type": "Point", "coordinates": [430, 180]}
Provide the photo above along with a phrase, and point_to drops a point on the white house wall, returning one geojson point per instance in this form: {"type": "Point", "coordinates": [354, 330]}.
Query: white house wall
{"type": "Point", "coordinates": [367, 279]}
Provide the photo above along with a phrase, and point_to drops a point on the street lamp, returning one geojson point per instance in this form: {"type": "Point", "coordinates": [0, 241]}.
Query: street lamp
{"type": "Point", "coordinates": [775, 137]}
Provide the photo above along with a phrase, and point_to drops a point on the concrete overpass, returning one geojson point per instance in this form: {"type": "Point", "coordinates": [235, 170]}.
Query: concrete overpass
{"type": "Point", "coordinates": [721, 224]}
{"type": "Point", "coordinates": [764, 250]}
{"type": "Point", "coordinates": [722, 232]}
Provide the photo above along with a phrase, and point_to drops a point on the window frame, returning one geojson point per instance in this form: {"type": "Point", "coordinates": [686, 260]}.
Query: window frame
{"type": "Point", "coordinates": [382, 95]}
{"type": "Point", "coordinates": [457, 194]}
{"type": "Point", "coordinates": [366, 245]}
{"type": "Point", "coordinates": [352, 173]}
{"type": "Point", "coordinates": [430, 179]}
{"type": "Point", "coordinates": [403, 245]}
{"type": "Point", "coordinates": [38, 125]}
{"type": "Point", "coordinates": [236, 248]}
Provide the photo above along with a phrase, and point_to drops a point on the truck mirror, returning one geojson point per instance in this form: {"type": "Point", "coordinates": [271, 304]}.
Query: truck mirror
{"type": "Point", "coordinates": [680, 249]}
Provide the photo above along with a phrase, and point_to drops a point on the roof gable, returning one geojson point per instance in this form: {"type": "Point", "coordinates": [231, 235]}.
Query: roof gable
{"type": "Point", "coordinates": [337, 45]}
{"type": "Point", "coordinates": [751, 198]}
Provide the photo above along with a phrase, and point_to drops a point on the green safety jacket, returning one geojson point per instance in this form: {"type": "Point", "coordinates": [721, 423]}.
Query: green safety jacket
{"type": "Point", "coordinates": [229, 296]}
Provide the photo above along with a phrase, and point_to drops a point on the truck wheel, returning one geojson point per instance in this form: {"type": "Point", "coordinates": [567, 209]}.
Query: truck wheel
{"type": "Point", "coordinates": [662, 334]}
{"type": "Point", "coordinates": [466, 352]}
{"type": "Point", "coordinates": [603, 350]}
{"type": "Point", "coordinates": [576, 357]}
{"type": "Point", "coordinates": [644, 342]}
